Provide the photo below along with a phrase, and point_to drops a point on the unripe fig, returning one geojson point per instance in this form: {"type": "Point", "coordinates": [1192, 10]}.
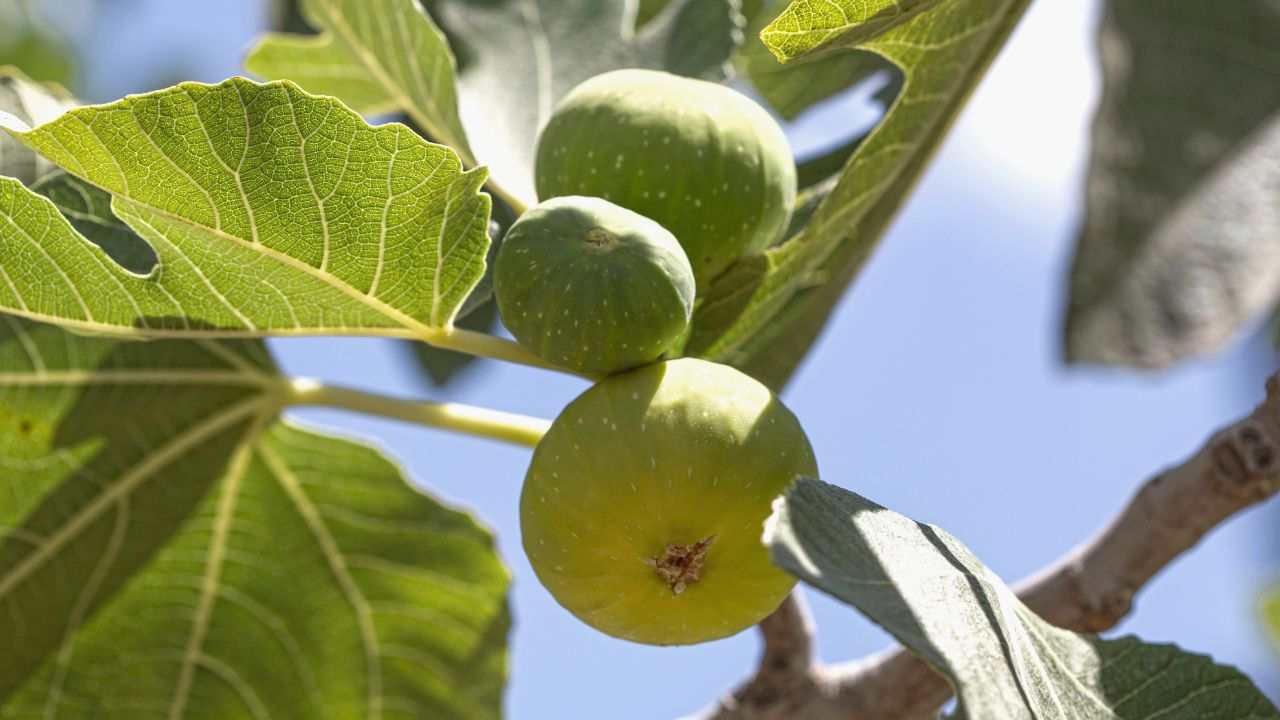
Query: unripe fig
{"type": "Point", "coordinates": [643, 507]}
{"type": "Point", "coordinates": [592, 286]}
{"type": "Point", "coordinates": [703, 160]}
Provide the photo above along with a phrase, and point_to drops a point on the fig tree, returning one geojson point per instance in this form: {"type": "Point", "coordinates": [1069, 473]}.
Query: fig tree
{"type": "Point", "coordinates": [703, 160]}
{"type": "Point", "coordinates": [643, 507]}
{"type": "Point", "coordinates": [592, 286]}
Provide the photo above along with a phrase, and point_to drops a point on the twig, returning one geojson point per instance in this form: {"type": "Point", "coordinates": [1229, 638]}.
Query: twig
{"type": "Point", "coordinates": [1089, 590]}
{"type": "Point", "coordinates": [786, 670]}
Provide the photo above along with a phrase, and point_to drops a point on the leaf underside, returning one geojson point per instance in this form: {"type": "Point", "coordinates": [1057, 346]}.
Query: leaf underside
{"type": "Point", "coordinates": [1180, 245]}
{"type": "Point", "coordinates": [929, 591]}
{"type": "Point", "coordinates": [377, 56]}
{"type": "Point", "coordinates": [170, 548]}
{"type": "Point", "coordinates": [269, 211]}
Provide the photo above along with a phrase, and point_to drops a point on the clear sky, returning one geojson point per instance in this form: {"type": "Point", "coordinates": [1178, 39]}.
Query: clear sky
{"type": "Point", "coordinates": [937, 390]}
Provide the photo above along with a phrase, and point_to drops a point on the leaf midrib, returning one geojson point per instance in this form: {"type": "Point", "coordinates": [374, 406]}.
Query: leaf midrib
{"type": "Point", "coordinates": [410, 323]}
{"type": "Point", "coordinates": [211, 579]}
{"type": "Point", "coordinates": [131, 480]}
{"type": "Point", "coordinates": [338, 567]}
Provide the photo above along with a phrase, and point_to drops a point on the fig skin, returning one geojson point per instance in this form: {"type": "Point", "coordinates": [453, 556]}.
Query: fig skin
{"type": "Point", "coordinates": [593, 287]}
{"type": "Point", "coordinates": [680, 460]}
{"type": "Point", "coordinates": [703, 160]}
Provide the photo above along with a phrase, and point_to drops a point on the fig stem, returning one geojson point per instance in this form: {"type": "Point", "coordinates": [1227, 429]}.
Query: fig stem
{"type": "Point", "coordinates": [489, 346]}
{"type": "Point", "coordinates": [521, 430]}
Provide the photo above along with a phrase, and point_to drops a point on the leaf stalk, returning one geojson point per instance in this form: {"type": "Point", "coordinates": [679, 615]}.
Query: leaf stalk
{"type": "Point", "coordinates": [483, 344]}
{"type": "Point", "coordinates": [521, 430]}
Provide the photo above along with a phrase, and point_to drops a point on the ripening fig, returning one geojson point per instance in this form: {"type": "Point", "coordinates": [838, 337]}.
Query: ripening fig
{"type": "Point", "coordinates": [643, 507]}
{"type": "Point", "coordinates": [703, 160]}
{"type": "Point", "coordinates": [592, 286]}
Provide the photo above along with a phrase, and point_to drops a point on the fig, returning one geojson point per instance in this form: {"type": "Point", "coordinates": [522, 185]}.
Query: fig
{"type": "Point", "coordinates": [643, 507]}
{"type": "Point", "coordinates": [592, 286]}
{"type": "Point", "coordinates": [703, 160]}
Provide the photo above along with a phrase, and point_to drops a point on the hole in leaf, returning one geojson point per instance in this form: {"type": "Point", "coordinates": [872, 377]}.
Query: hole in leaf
{"type": "Point", "coordinates": [88, 208]}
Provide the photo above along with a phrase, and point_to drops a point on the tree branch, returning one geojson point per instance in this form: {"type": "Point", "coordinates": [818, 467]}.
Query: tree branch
{"type": "Point", "coordinates": [787, 671]}
{"type": "Point", "coordinates": [1088, 590]}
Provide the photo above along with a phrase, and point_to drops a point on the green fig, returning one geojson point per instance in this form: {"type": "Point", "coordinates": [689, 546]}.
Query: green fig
{"type": "Point", "coordinates": [644, 504]}
{"type": "Point", "coordinates": [592, 286]}
{"type": "Point", "coordinates": [703, 160]}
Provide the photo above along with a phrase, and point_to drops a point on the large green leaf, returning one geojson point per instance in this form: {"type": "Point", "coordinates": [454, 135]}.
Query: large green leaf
{"type": "Point", "coordinates": [168, 548]}
{"type": "Point", "coordinates": [1178, 247]}
{"type": "Point", "coordinates": [765, 312]}
{"type": "Point", "coordinates": [934, 596]}
{"type": "Point", "coordinates": [270, 212]}
{"type": "Point", "coordinates": [377, 56]}
{"type": "Point", "coordinates": [524, 55]}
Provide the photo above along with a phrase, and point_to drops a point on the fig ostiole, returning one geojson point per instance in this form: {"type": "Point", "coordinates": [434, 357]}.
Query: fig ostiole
{"type": "Point", "coordinates": [644, 504]}
{"type": "Point", "coordinates": [592, 286]}
{"type": "Point", "coordinates": [703, 160]}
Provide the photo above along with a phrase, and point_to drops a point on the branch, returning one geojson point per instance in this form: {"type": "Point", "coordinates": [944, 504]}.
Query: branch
{"type": "Point", "coordinates": [1088, 590]}
{"type": "Point", "coordinates": [787, 674]}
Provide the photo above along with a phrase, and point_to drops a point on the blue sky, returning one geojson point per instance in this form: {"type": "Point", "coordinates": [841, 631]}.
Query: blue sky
{"type": "Point", "coordinates": [937, 390]}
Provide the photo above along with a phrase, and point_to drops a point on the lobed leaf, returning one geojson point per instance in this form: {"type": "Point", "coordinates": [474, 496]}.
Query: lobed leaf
{"type": "Point", "coordinates": [377, 56]}
{"type": "Point", "coordinates": [169, 548]}
{"type": "Point", "coordinates": [323, 66]}
{"type": "Point", "coordinates": [1178, 248]}
{"type": "Point", "coordinates": [764, 313]}
{"type": "Point", "coordinates": [270, 211]}
{"type": "Point", "coordinates": [929, 591]}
